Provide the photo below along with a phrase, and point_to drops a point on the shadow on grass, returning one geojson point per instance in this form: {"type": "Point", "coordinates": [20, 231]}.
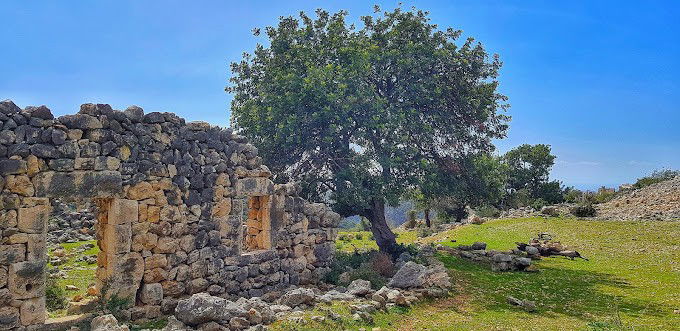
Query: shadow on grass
{"type": "Point", "coordinates": [576, 293]}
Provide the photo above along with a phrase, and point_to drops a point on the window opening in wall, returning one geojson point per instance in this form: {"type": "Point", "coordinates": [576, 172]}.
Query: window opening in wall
{"type": "Point", "coordinates": [256, 225]}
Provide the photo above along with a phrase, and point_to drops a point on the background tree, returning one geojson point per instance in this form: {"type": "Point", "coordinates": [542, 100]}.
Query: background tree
{"type": "Point", "coordinates": [359, 116]}
{"type": "Point", "coordinates": [529, 166]}
{"type": "Point", "coordinates": [421, 203]}
{"type": "Point", "coordinates": [471, 182]}
{"type": "Point", "coordinates": [528, 176]}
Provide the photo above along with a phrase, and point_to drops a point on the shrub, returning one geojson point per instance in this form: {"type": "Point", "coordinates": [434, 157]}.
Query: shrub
{"type": "Point", "coordinates": [603, 195]}
{"type": "Point", "coordinates": [410, 224]}
{"type": "Point", "coordinates": [424, 232]}
{"type": "Point", "coordinates": [373, 266]}
{"type": "Point", "coordinates": [366, 272]}
{"type": "Point", "coordinates": [537, 204]}
{"type": "Point", "coordinates": [519, 198]}
{"type": "Point", "coordinates": [572, 195]}
{"type": "Point", "coordinates": [55, 296]}
{"type": "Point", "coordinates": [656, 177]}
{"type": "Point", "coordinates": [584, 210]}
{"type": "Point", "coordinates": [112, 303]}
{"type": "Point", "coordinates": [382, 264]}
{"type": "Point", "coordinates": [359, 236]}
{"type": "Point", "coordinates": [411, 215]}
{"type": "Point", "coordinates": [487, 211]}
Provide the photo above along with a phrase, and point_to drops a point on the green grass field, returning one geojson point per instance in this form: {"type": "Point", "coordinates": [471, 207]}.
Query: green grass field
{"type": "Point", "coordinates": [80, 274]}
{"type": "Point", "coordinates": [631, 282]}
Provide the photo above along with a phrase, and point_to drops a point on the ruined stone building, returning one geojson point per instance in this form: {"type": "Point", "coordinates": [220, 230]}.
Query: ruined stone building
{"type": "Point", "coordinates": [182, 208]}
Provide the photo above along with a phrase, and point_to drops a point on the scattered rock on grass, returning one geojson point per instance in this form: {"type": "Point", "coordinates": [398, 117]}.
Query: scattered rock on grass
{"type": "Point", "coordinates": [528, 305]}
{"type": "Point", "coordinates": [107, 323]}
{"type": "Point", "coordinates": [359, 287]}
{"type": "Point", "coordinates": [297, 297]}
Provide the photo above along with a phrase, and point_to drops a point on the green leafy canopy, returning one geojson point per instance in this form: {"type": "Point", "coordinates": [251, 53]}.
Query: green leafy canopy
{"type": "Point", "coordinates": [363, 114]}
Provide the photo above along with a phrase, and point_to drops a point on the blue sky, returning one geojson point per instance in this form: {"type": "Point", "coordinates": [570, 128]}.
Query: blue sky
{"type": "Point", "coordinates": [597, 80]}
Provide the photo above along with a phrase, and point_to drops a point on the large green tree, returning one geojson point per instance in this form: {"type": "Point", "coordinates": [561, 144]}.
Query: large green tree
{"type": "Point", "coordinates": [360, 115]}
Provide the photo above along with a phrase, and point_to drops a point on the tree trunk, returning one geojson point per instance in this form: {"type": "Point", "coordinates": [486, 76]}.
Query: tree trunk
{"type": "Point", "coordinates": [381, 231]}
{"type": "Point", "coordinates": [427, 218]}
{"type": "Point", "coordinates": [460, 213]}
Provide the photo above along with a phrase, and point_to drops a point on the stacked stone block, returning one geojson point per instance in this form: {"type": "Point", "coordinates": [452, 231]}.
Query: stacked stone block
{"type": "Point", "coordinates": [170, 198]}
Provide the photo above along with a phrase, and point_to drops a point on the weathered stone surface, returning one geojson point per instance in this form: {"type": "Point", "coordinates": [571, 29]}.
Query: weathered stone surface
{"type": "Point", "coordinates": [117, 239]}
{"type": "Point", "coordinates": [21, 185]}
{"type": "Point", "coordinates": [11, 167]}
{"type": "Point", "coordinates": [122, 211]}
{"type": "Point", "coordinates": [80, 121]}
{"type": "Point", "coordinates": [107, 323]}
{"type": "Point", "coordinates": [134, 113]}
{"type": "Point", "coordinates": [141, 191]}
{"type": "Point", "coordinates": [27, 279]}
{"type": "Point", "coordinates": [9, 317]}
{"type": "Point", "coordinates": [41, 112]}
{"type": "Point", "coordinates": [336, 296]}
{"type": "Point", "coordinates": [8, 219]}
{"type": "Point", "coordinates": [203, 308]}
{"type": "Point", "coordinates": [45, 151]}
{"type": "Point", "coordinates": [78, 184]}
{"type": "Point", "coordinates": [531, 250]}
{"type": "Point", "coordinates": [408, 276]}
{"type": "Point", "coordinates": [8, 107]}
{"type": "Point", "coordinates": [37, 247]}
{"type": "Point", "coordinates": [12, 253]}
{"type": "Point", "coordinates": [124, 274]}
{"type": "Point", "coordinates": [106, 163]}
{"type": "Point", "coordinates": [359, 287]}
{"type": "Point", "coordinates": [32, 311]}
{"type": "Point", "coordinates": [33, 219]}
{"type": "Point", "coordinates": [3, 276]}
{"type": "Point", "coordinates": [254, 186]}
{"type": "Point", "coordinates": [151, 294]}
{"type": "Point", "coordinates": [297, 297]}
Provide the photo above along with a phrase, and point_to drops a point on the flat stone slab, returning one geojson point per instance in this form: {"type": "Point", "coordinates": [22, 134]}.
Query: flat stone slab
{"type": "Point", "coordinates": [78, 184]}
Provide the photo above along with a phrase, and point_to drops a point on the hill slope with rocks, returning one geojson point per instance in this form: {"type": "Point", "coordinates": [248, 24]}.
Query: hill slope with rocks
{"type": "Point", "coordinates": [660, 201]}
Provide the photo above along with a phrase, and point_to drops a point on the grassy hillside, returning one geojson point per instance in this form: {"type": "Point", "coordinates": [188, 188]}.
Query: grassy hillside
{"type": "Point", "coordinates": [632, 280]}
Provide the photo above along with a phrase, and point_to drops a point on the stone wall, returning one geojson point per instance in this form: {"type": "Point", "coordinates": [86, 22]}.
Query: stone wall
{"type": "Point", "coordinates": [175, 210]}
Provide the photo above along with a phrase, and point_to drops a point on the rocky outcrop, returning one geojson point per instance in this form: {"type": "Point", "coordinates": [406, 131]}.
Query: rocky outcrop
{"type": "Point", "coordinates": [660, 202]}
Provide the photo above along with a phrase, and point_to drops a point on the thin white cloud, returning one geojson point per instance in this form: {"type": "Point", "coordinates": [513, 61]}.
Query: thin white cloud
{"type": "Point", "coordinates": [640, 163]}
{"type": "Point", "coordinates": [583, 163]}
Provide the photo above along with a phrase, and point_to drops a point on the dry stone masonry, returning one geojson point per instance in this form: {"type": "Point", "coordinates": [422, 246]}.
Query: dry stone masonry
{"type": "Point", "coordinates": [181, 208]}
